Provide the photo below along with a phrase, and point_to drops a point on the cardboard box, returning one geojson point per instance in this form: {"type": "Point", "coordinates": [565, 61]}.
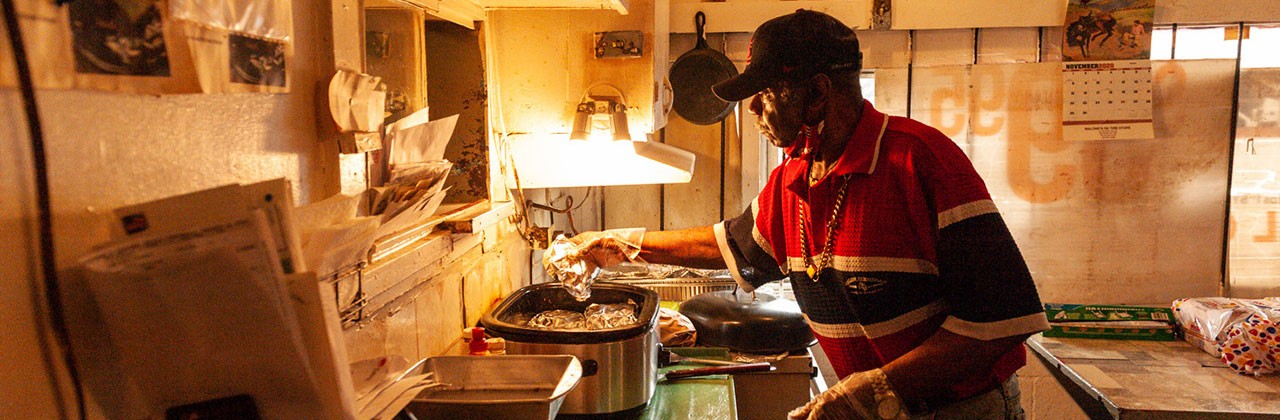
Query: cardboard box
{"type": "Point", "coordinates": [1201, 342]}
{"type": "Point", "coordinates": [1111, 330]}
{"type": "Point", "coordinates": [1118, 322]}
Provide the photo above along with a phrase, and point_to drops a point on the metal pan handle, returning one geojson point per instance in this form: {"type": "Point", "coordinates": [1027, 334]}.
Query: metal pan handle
{"type": "Point", "coordinates": [719, 370]}
{"type": "Point", "coordinates": [700, 20]}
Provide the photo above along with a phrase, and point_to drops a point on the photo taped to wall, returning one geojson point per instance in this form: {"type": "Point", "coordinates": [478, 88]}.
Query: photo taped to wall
{"type": "Point", "coordinates": [257, 61]}
{"type": "Point", "coordinates": [1108, 30]}
{"type": "Point", "coordinates": [119, 37]}
{"type": "Point", "coordinates": [1259, 114]}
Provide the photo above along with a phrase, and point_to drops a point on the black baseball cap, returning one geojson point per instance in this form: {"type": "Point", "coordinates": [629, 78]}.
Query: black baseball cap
{"type": "Point", "coordinates": [795, 47]}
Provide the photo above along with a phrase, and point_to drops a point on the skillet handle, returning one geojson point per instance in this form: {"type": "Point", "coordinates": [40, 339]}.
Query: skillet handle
{"type": "Point", "coordinates": [700, 20]}
{"type": "Point", "coordinates": [720, 370]}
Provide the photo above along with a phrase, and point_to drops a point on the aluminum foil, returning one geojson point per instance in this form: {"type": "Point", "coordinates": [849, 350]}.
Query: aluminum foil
{"type": "Point", "coordinates": [558, 319]}
{"type": "Point", "coordinates": [595, 317]}
{"type": "Point", "coordinates": [563, 263]}
{"type": "Point", "coordinates": [611, 315]}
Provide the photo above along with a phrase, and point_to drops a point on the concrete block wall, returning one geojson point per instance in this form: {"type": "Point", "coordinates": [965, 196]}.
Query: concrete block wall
{"type": "Point", "coordinates": [1043, 396]}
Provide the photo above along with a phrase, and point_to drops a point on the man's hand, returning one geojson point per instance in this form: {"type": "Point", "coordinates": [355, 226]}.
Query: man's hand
{"type": "Point", "coordinates": [854, 397]}
{"type": "Point", "coordinates": [609, 248]}
{"type": "Point", "coordinates": [575, 261]}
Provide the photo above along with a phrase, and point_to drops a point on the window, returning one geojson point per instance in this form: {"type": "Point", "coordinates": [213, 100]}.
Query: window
{"type": "Point", "coordinates": [1253, 233]}
{"type": "Point", "coordinates": [868, 82]}
{"type": "Point", "coordinates": [1254, 230]}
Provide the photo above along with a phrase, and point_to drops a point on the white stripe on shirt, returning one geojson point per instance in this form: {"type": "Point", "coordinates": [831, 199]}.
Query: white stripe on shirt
{"type": "Point", "coordinates": [879, 329]}
{"type": "Point", "coordinates": [965, 211]}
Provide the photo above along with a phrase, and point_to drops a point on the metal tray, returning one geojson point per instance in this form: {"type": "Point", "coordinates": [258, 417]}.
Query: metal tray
{"type": "Point", "coordinates": [682, 289]}
{"type": "Point", "coordinates": [497, 387]}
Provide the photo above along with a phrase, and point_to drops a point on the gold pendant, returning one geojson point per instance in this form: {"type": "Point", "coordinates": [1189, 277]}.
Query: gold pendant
{"type": "Point", "coordinates": [812, 271]}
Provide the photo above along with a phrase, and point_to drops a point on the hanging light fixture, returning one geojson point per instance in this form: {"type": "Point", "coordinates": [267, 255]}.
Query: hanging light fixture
{"type": "Point", "coordinates": [600, 152]}
{"type": "Point", "coordinates": [601, 114]}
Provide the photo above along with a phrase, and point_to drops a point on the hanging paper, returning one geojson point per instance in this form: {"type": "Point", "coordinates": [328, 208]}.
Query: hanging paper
{"type": "Point", "coordinates": [1108, 30]}
{"type": "Point", "coordinates": [238, 45]}
{"type": "Point", "coordinates": [125, 46]}
{"type": "Point", "coordinates": [1107, 100]}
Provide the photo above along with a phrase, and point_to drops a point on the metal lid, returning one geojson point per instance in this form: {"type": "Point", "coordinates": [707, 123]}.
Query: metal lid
{"type": "Point", "coordinates": [761, 324]}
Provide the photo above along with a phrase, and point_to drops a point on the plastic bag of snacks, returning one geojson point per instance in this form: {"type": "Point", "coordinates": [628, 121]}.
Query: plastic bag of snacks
{"type": "Point", "coordinates": [1239, 331]}
{"type": "Point", "coordinates": [1251, 346]}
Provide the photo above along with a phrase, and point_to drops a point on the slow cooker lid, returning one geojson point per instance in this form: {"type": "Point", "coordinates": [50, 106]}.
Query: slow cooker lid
{"type": "Point", "coordinates": [530, 300]}
{"type": "Point", "coordinates": [761, 324]}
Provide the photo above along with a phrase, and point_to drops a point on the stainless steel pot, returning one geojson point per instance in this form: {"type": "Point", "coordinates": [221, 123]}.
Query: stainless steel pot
{"type": "Point", "coordinates": [619, 365]}
{"type": "Point", "coordinates": [616, 376]}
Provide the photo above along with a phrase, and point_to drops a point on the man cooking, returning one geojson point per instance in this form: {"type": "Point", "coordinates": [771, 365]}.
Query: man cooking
{"type": "Point", "coordinates": [902, 264]}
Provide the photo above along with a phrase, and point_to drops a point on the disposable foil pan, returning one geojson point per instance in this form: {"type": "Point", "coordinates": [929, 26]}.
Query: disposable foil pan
{"type": "Point", "coordinates": [682, 289]}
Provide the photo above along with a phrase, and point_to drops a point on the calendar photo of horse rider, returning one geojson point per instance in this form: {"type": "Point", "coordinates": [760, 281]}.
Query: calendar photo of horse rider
{"type": "Point", "coordinates": [1100, 30]}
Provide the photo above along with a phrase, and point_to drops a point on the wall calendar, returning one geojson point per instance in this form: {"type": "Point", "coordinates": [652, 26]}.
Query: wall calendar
{"type": "Point", "coordinates": [1106, 100]}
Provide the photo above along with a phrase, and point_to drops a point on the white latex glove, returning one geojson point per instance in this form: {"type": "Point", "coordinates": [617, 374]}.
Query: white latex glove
{"type": "Point", "coordinates": [854, 397]}
{"type": "Point", "coordinates": [576, 261]}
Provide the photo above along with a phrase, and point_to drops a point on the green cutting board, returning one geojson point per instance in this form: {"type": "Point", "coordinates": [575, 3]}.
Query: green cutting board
{"type": "Point", "coordinates": [700, 398]}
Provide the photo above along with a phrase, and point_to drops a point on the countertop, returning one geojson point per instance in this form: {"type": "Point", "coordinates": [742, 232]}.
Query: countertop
{"type": "Point", "coordinates": [701, 398]}
{"type": "Point", "coordinates": [1158, 379]}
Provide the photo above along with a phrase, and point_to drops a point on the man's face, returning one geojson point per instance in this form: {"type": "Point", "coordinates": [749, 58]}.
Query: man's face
{"type": "Point", "coordinates": [779, 111]}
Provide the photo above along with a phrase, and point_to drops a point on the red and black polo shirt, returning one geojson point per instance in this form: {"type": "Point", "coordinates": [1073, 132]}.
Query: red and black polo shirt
{"type": "Point", "coordinates": [919, 246]}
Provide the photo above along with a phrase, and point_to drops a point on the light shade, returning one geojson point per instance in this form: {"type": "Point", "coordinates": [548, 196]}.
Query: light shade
{"type": "Point", "coordinates": [552, 161]}
{"type": "Point", "coordinates": [604, 117]}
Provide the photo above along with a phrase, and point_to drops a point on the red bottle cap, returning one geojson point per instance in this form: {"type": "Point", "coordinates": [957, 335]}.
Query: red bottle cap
{"type": "Point", "coordinates": [478, 345]}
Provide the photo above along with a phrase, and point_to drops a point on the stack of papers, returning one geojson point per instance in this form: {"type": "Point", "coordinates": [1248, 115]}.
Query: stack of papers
{"type": "Point", "coordinates": [202, 297]}
{"type": "Point", "coordinates": [411, 198]}
{"type": "Point", "coordinates": [417, 172]}
{"type": "Point", "coordinates": [335, 235]}
{"type": "Point", "coordinates": [415, 139]}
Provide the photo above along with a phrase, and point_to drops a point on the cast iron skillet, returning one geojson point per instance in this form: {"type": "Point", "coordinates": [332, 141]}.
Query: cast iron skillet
{"type": "Point", "coordinates": [692, 76]}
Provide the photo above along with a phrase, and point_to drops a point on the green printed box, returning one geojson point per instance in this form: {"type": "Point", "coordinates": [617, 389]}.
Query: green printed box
{"type": "Point", "coordinates": [1119, 322]}
{"type": "Point", "coordinates": [1067, 312]}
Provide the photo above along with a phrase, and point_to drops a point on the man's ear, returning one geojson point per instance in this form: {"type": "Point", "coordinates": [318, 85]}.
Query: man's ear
{"type": "Point", "coordinates": [820, 96]}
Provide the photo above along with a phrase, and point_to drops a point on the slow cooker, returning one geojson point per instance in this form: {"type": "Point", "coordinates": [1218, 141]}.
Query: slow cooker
{"type": "Point", "coordinates": [619, 365]}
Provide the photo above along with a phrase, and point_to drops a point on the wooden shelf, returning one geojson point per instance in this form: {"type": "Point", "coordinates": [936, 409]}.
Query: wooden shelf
{"type": "Point", "coordinates": [476, 217]}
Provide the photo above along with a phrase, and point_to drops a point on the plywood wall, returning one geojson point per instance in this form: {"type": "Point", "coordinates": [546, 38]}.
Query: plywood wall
{"type": "Point", "coordinates": [543, 63]}
{"type": "Point", "coordinates": [1120, 222]}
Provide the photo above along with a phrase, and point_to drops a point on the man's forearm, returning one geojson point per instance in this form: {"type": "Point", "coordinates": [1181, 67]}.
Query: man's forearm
{"type": "Point", "coordinates": [943, 360]}
{"type": "Point", "coordinates": [694, 247]}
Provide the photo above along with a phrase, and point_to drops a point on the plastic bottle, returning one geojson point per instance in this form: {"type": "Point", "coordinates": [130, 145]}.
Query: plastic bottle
{"type": "Point", "coordinates": [478, 346]}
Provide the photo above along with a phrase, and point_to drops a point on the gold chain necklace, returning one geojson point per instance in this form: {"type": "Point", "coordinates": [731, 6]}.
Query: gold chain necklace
{"type": "Point", "coordinates": [832, 225]}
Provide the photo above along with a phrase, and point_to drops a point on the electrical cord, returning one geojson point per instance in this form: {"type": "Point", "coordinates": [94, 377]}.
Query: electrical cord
{"type": "Point", "coordinates": [567, 210]}
{"type": "Point", "coordinates": [48, 264]}
{"type": "Point", "coordinates": [527, 228]}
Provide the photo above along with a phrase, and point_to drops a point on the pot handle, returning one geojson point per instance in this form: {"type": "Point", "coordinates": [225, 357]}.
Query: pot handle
{"type": "Point", "coordinates": [590, 367]}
